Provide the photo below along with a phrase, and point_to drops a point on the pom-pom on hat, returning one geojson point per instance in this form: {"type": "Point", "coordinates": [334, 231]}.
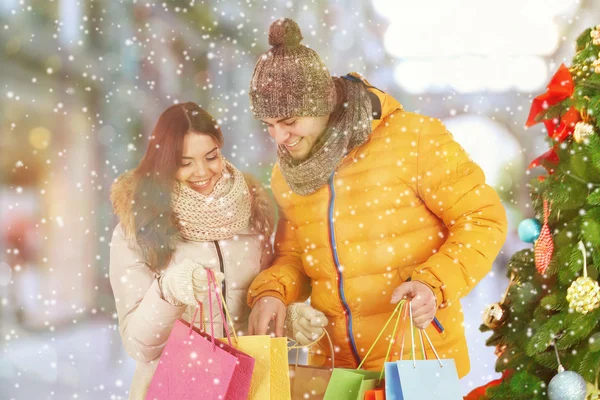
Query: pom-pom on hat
{"type": "Point", "coordinates": [290, 80]}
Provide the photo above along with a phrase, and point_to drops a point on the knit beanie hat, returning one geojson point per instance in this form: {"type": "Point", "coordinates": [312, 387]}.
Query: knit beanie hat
{"type": "Point", "coordinates": [290, 80]}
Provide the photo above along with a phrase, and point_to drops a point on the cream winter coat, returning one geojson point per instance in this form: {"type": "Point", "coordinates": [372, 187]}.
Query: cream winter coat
{"type": "Point", "coordinates": [145, 319]}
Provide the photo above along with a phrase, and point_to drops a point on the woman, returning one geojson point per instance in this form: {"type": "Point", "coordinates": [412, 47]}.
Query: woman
{"type": "Point", "coordinates": [182, 209]}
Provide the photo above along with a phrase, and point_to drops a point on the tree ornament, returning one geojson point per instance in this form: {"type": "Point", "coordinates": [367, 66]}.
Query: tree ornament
{"type": "Point", "coordinates": [595, 34]}
{"type": "Point", "coordinates": [583, 131]}
{"type": "Point", "coordinates": [544, 246]}
{"type": "Point", "coordinates": [529, 230]}
{"type": "Point", "coordinates": [596, 65]}
{"type": "Point", "coordinates": [494, 315]}
{"type": "Point", "coordinates": [584, 293]}
{"type": "Point", "coordinates": [499, 351]}
{"type": "Point", "coordinates": [566, 385]}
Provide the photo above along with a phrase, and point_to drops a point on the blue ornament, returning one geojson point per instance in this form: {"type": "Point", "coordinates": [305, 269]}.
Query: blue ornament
{"type": "Point", "coordinates": [529, 230]}
{"type": "Point", "coordinates": [567, 385]}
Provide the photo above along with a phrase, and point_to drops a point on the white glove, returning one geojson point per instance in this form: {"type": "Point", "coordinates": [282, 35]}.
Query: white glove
{"type": "Point", "coordinates": [304, 324]}
{"type": "Point", "coordinates": [186, 283]}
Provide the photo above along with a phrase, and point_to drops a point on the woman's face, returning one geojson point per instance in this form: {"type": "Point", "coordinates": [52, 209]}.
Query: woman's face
{"type": "Point", "coordinates": [201, 165]}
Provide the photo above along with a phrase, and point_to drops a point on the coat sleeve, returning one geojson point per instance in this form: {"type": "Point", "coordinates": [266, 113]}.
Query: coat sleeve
{"type": "Point", "coordinates": [453, 187]}
{"type": "Point", "coordinates": [285, 279]}
{"type": "Point", "coordinates": [145, 319]}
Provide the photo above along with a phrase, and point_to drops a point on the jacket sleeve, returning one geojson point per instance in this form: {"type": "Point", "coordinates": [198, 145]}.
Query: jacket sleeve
{"type": "Point", "coordinates": [145, 319]}
{"type": "Point", "coordinates": [285, 278]}
{"type": "Point", "coordinates": [453, 187]}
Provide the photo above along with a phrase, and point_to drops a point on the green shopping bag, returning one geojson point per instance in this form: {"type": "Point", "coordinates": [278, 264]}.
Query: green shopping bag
{"type": "Point", "coordinates": [352, 384]}
{"type": "Point", "coordinates": [421, 379]}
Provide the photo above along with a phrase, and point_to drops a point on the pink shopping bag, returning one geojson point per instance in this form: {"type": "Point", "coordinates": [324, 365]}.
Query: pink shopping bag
{"type": "Point", "coordinates": [191, 367]}
{"type": "Point", "coordinates": [242, 377]}
{"type": "Point", "coordinates": [194, 365]}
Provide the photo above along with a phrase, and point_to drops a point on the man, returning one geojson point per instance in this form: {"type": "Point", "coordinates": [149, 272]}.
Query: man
{"type": "Point", "coordinates": [375, 203]}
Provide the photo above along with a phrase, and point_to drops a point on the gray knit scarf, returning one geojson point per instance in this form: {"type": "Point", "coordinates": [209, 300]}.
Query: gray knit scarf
{"type": "Point", "coordinates": [349, 126]}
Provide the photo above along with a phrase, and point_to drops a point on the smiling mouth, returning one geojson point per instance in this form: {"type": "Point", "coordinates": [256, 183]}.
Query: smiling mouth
{"type": "Point", "coordinates": [291, 145]}
{"type": "Point", "coordinates": [200, 184]}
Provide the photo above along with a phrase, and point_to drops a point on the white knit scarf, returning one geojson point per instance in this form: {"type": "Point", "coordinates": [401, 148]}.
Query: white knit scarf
{"type": "Point", "coordinates": [219, 215]}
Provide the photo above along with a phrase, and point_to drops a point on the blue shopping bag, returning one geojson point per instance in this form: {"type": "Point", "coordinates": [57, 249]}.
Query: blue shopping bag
{"type": "Point", "coordinates": [426, 380]}
{"type": "Point", "coordinates": [421, 379]}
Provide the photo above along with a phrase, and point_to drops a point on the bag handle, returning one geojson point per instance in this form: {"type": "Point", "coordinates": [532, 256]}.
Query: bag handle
{"type": "Point", "coordinates": [398, 311]}
{"type": "Point", "coordinates": [405, 310]}
{"type": "Point", "coordinates": [212, 285]}
{"type": "Point", "coordinates": [296, 346]}
{"type": "Point", "coordinates": [412, 337]}
{"type": "Point", "coordinates": [210, 308]}
{"type": "Point", "coordinates": [202, 325]}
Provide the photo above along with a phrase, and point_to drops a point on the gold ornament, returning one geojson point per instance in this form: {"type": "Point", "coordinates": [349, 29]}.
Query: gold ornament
{"type": "Point", "coordinates": [595, 34]}
{"type": "Point", "coordinates": [596, 65]}
{"type": "Point", "coordinates": [584, 294]}
{"type": "Point", "coordinates": [494, 315]}
{"type": "Point", "coordinates": [583, 131]}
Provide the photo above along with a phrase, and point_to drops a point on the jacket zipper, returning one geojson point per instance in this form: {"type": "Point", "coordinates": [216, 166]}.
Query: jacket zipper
{"type": "Point", "coordinates": [340, 277]}
{"type": "Point", "coordinates": [222, 269]}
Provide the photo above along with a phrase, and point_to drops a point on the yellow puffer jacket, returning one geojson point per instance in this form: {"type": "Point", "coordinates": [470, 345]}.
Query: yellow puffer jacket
{"type": "Point", "coordinates": [409, 203]}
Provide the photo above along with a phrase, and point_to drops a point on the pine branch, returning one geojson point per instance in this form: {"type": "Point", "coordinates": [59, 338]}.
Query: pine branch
{"type": "Point", "coordinates": [590, 367]}
{"type": "Point", "coordinates": [594, 198]}
{"type": "Point", "coordinates": [582, 40]}
{"type": "Point", "coordinates": [546, 333]}
{"type": "Point", "coordinates": [521, 385]}
{"type": "Point", "coordinates": [547, 359]}
{"type": "Point", "coordinates": [554, 302]}
{"type": "Point", "coordinates": [577, 328]}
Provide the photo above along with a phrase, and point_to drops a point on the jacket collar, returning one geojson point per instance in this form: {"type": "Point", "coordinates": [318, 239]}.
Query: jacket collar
{"type": "Point", "coordinates": [387, 104]}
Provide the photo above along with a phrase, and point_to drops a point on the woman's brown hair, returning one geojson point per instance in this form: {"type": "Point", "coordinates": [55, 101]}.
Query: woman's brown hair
{"type": "Point", "coordinates": [156, 229]}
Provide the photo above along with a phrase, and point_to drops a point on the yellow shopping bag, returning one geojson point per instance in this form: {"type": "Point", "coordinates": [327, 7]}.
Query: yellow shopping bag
{"type": "Point", "coordinates": [270, 378]}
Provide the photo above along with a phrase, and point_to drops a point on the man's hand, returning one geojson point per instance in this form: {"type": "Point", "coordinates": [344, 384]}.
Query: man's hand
{"type": "Point", "coordinates": [422, 300]}
{"type": "Point", "coordinates": [304, 324]}
{"type": "Point", "coordinates": [265, 310]}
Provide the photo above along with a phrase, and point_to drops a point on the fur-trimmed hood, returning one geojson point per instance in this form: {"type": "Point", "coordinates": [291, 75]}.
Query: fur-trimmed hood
{"type": "Point", "coordinates": [262, 215]}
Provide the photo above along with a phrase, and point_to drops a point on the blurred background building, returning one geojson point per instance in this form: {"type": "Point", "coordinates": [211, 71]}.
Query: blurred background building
{"type": "Point", "coordinates": [82, 82]}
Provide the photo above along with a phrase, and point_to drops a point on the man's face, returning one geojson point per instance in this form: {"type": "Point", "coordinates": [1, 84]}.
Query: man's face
{"type": "Point", "coordinates": [297, 134]}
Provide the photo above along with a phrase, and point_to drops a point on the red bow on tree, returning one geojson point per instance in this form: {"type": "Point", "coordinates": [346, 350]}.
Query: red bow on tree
{"type": "Point", "coordinates": [479, 393]}
{"type": "Point", "coordinates": [560, 88]}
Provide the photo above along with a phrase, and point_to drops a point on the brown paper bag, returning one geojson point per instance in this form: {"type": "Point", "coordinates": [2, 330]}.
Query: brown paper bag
{"type": "Point", "coordinates": [310, 382]}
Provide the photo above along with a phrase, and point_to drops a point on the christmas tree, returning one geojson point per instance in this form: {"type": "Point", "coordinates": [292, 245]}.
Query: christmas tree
{"type": "Point", "coordinates": [546, 329]}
